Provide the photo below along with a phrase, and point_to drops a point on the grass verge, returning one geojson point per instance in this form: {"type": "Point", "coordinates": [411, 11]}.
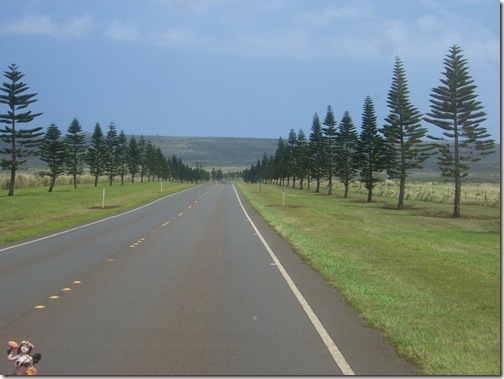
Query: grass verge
{"type": "Point", "coordinates": [429, 282]}
{"type": "Point", "coordinates": [32, 211]}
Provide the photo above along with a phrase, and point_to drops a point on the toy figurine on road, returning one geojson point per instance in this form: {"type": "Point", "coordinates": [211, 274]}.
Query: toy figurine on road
{"type": "Point", "coordinates": [23, 360]}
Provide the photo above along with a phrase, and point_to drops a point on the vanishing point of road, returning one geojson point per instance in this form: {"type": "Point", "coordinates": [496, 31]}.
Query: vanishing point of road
{"type": "Point", "coordinates": [195, 283]}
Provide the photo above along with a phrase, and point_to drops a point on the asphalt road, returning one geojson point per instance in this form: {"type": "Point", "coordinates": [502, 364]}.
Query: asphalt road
{"type": "Point", "coordinates": [195, 283]}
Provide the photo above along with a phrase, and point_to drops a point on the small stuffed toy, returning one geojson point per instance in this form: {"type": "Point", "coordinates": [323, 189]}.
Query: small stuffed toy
{"type": "Point", "coordinates": [23, 360]}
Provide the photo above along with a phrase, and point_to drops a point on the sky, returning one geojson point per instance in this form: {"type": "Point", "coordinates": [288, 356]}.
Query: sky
{"type": "Point", "coordinates": [240, 68]}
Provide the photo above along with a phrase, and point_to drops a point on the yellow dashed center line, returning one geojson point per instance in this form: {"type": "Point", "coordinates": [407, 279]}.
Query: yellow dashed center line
{"type": "Point", "coordinates": [138, 242]}
{"type": "Point", "coordinates": [67, 289]}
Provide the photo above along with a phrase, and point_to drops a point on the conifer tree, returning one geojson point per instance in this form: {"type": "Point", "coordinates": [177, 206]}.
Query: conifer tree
{"type": "Point", "coordinates": [142, 149]}
{"type": "Point", "coordinates": [281, 161]}
{"type": "Point", "coordinates": [150, 151]}
{"type": "Point", "coordinates": [371, 151]}
{"type": "Point", "coordinates": [302, 158]}
{"type": "Point", "coordinates": [403, 132]}
{"type": "Point", "coordinates": [346, 144]}
{"type": "Point", "coordinates": [133, 158]}
{"type": "Point", "coordinates": [111, 141]}
{"type": "Point", "coordinates": [21, 143]}
{"type": "Point", "coordinates": [122, 155]}
{"type": "Point", "coordinates": [455, 110]}
{"type": "Point", "coordinates": [329, 140]}
{"type": "Point", "coordinates": [291, 160]}
{"type": "Point", "coordinates": [266, 168]}
{"type": "Point", "coordinates": [76, 144]}
{"type": "Point", "coordinates": [96, 153]}
{"type": "Point", "coordinates": [53, 151]}
{"type": "Point", "coordinates": [316, 147]}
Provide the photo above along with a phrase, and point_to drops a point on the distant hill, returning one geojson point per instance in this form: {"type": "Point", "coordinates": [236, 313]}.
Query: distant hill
{"type": "Point", "coordinates": [488, 169]}
{"type": "Point", "coordinates": [218, 152]}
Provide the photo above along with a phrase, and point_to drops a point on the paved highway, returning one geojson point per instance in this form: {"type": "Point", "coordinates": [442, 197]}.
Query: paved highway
{"type": "Point", "coordinates": [195, 283]}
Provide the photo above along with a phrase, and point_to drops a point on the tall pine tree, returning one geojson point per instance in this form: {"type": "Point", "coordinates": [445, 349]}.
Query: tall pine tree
{"type": "Point", "coordinates": [142, 150]}
{"type": "Point", "coordinates": [133, 158]}
{"type": "Point", "coordinates": [111, 142]}
{"type": "Point", "coordinates": [95, 157]}
{"type": "Point", "coordinates": [281, 161]}
{"type": "Point", "coordinates": [76, 144]}
{"type": "Point", "coordinates": [330, 149]}
{"type": "Point", "coordinates": [53, 151]}
{"type": "Point", "coordinates": [455, 110]}
{"type": "Point", "coordinates": [292, 161]}
{"type": "Point", "coordinates": [302, 158]}
{"type": "Point", "coordinates": [346, 144]}
{"type": "Point", "coordinates": [21, 143]}
{"type": "Point", "coordinates": [403, 132]}
{"type": "Point", "coordinates": [371, 151]}
{"type": "Point", "coordinates": [122, 155]}
{"type": "Point", "coordinates": [316, 151]}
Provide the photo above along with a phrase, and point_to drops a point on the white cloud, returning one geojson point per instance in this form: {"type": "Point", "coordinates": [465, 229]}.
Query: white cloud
{"type": "Point", "coordinates": [355, 10]}
{"type": "Point", "coordinates": [194, 6]}
{"type": "Point", "coordinates": [44, 25]}
{"type": "Point", "coordinates": [119, 31]}
{"type": "Point", "coordinates": [179, 37]}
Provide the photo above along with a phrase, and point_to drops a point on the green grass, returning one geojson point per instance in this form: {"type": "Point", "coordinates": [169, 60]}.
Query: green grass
{"type": "Point", "coordinates": [429, 282]}
{"type": "Point", "coordinates": [32, 211]}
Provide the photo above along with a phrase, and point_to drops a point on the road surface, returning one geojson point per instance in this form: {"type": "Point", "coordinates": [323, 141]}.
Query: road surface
{"type": "Point", "coordinates": [195, 283]}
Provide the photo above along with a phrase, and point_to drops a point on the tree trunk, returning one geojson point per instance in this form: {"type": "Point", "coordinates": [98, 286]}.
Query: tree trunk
{"type": "Point", "coordinates": [75, 181]}
{"type": "Point", "coordinates": [370, 195]}
{"type": "Point", "coordinates": [53, 182]}
{"type": "Point", "coordinates": [456, 199]}
{"type": "Point", "coordinates": [346, 190]}
{"type": "Point", "coordinates": [12, 182]}
{"type": "Point", "coordinates": [402, 187]}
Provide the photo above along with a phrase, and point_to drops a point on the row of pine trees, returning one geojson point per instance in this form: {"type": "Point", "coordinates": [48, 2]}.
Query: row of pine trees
{"type": "Point", "coordinates": [338, 152]}
{"type": "Point", "coordinates": [110, 154]}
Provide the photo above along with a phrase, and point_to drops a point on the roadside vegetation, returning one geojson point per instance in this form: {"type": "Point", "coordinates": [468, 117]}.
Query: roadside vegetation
{"type": "Point", "coordinates": [428, 281]}
{"type": "Point", "coordinates": [34, 210]}
{"type": "Point", "coordinates": [335, 152]}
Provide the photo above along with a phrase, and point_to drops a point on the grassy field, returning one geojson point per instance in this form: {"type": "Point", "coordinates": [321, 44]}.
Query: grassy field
{"type": "Point", "coordinates": [33, 210]}
{"type": "Point", "coordinates": [429, 282]}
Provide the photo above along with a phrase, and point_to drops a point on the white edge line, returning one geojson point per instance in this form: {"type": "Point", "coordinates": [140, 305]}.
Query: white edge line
{"type": "Point", "coordinates": [93, 223]}
{"type": "Point", "coordinates": [331, 346]}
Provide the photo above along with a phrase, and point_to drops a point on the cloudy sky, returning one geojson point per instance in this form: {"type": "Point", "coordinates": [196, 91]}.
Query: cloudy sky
{"type": "Point", "coordinates": [240, 68]}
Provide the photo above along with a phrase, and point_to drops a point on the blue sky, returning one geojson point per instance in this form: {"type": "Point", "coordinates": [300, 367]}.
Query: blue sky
{"type": "Point", "coordinates": [240, 68]}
